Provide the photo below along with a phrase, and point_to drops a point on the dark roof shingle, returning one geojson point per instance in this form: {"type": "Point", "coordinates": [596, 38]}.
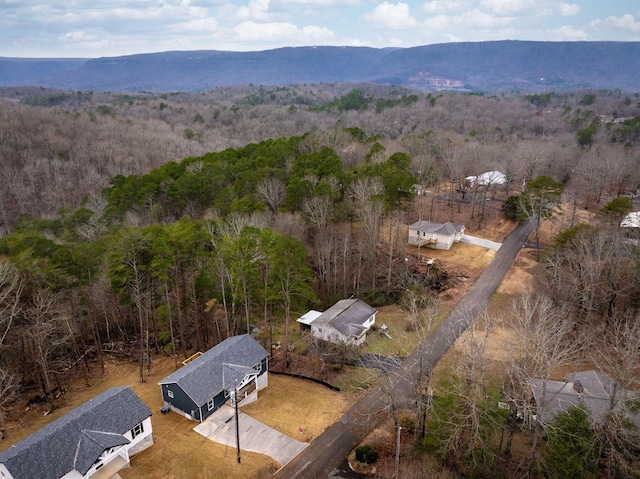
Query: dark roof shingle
{"type": "Point", "coordinates": [347, 316]}
{"type": "Point", "coordinates": [54, 450]}
{"type": "Point", "coordinates": [203, 378]}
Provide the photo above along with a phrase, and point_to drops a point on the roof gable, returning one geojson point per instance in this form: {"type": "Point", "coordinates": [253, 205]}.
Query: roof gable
{"type": "Point", "coordinates": [92, 444]}
{"type": "Point", "coordinates": [52, 451]}
{"type": "Point", "coordinates": [203, 378]}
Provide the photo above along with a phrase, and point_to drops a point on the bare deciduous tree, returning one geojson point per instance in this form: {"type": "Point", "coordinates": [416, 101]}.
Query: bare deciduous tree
{"type": "Point", "coordinates": [48, 334]}
{"type": "Point", "coordinates": [616, 353]}
{"type": "Point", "coordinates": [272, 191]}
{"type": "Point", "coordinates": [542, 340]}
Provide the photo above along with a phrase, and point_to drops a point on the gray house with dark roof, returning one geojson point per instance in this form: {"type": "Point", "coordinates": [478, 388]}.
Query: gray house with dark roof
{"type": "Point", "coordinates": [95, 440]}
{"type": "Point", "coordinates": [199, 388]}
{"type": "Point", "coordinates": [590, 389]}
{"type": "Point", "coordinates": [347, 322]}
{"type": "Point", "coordinates": [435, 235]}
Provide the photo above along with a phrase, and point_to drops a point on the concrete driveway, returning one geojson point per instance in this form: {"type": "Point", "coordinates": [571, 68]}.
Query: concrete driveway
{"type": "Point", "coordinates": [254, 435]}
{"type": "Point", "coordinates": [480, 242]}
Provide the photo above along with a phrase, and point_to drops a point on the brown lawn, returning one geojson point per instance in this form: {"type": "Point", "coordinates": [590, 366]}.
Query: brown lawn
{"type": "Point", "coordinates": [179, 452]}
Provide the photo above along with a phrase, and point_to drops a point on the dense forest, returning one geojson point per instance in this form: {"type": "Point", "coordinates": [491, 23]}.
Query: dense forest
{"type": "Point", "coordinates": [162, 224]}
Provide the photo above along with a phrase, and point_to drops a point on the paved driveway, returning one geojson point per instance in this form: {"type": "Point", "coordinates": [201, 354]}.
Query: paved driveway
{"type": "Point", "coordinates": [480, 242]}
{"type": "Point", "coordinates": [254, 435]}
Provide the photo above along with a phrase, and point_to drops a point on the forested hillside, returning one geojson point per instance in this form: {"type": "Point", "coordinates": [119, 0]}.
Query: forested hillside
{"type": "Point", "coordinates": [462, 66]}
{"type": "Point", "coordinates": [161, 224]}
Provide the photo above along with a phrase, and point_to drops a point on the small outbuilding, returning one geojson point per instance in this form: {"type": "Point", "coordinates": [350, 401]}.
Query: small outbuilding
{"type": "Point", "coordinates": [95, 440]}
{"type": "Point", "coordinates": [346, 322]}
{"type": "Point", "coordinates": [435, 235]}
{"type": "Point", "coordinates": [238, 367]}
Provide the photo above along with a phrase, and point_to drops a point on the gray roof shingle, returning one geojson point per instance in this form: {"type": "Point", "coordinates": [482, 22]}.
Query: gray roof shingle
{"type": "Point", "coordinates": [202, 378]}
{"type": "Point", "coordinates": [58, 448]}
{"type": "Point", "coordinates": [595, 395]}
{"type": "Point", "coordinates": [347, 316]}
{"type": "Point", "coordinates": [92, 444]}
{"type": "Point", "coordinates": [447, 228]}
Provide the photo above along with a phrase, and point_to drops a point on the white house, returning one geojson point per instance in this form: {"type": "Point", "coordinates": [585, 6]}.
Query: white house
{"type": "Point", "coordinates": [346, 322]}
{"type": "Point", "coordinates": [631, 220]}
{"type": "Point", "coordinates": [488, 178]}
{"type": "Point", "coordinates": [435, 235]}
{"type": "Point", "coordinates": [95, 440]}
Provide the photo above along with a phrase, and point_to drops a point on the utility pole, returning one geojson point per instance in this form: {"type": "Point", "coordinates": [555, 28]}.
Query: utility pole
{"type": "Point", "coordinates": [399, 428]}
{"type": "Point", "coordinates": [235, 401]}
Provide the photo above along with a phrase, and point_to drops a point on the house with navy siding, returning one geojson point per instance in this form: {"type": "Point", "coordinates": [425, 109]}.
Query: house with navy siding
{"type": "Point", "coordinates": [95, 440]}
{"type": "Point", "coordinates": [238, 366]}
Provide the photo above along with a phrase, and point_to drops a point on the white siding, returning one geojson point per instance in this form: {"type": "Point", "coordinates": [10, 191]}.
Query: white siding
{"type": "Point", "coordinates": [141, 441]}
{"type": "Point", "coordinates": [4, 473]}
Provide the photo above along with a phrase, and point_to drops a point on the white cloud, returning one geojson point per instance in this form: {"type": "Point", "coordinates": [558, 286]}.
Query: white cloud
{"type": "Point", "coordinates": [511, 7]}
{"type": "Point", "coordinates": [321, 3]}
{"type": "Point", "coordinates": [569, 33]}
{"type": "Point", "coordinates": [199, 25]}
{"type": "Point", "coordinates": [280, 32]}
{"type": "Point", "coordinates": [616, 25]}
{"type": "Point", "coordinates": [80, 36]}
{"type": "Point", "coordinates": [470, 20]}
{"type": "Point", "coordinates": [392, 17]}
{"type": "Point", "coordinates": [255, 10]}
{"type": "Point", "coordinates": [436, 7]}
{"type": "Point", "coordinates": [479, 19]}
{"type": "Point", "coordinates": [569, 9]}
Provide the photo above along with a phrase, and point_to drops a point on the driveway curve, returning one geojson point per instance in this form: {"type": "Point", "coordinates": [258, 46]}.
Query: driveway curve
{"type": "Point", "coordinates": [326, 452]}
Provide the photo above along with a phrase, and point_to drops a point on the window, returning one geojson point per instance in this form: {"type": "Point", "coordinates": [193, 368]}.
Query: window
{"type": "Point", "coordinates": [258, 366]}
{"type": "Point", "coordinates": [170, 393]}
{"type": "Point", "coordinates": [137, 430]}
{"type": "Point", "coordinates": [210, 404]}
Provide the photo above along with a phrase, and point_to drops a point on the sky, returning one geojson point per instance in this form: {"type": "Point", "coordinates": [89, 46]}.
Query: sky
{"type": "Point", "coordinates": [105, 28]}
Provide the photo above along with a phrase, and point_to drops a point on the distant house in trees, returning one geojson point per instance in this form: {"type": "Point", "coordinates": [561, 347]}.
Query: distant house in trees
{"type": "Point", "coordinates": [199, 388]}
{"type": "Point", "coordinates": [631, 220]}
{"type": "Point", "coordinates": [95, 440]}
{"type": "Point", "coordinates": [435, 235]}
{"type": "Point", "coordinates": [591, 389]}
{"type": "Point", "coordinates": [346, 322]}
{"type": "Point", "coordinates": [488, 178]}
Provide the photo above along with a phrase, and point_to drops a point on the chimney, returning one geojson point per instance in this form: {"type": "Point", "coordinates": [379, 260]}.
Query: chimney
{"type": "Point", "coordinates": [578, 387]}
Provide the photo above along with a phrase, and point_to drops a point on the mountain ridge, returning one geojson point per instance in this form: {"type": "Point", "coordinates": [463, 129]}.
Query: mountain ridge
{"type": "Point", "coordinates": [468, 66]}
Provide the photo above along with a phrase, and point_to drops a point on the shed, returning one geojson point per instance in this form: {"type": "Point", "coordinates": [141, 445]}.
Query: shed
{"type": "Point", "coordinates": [197, 390]}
